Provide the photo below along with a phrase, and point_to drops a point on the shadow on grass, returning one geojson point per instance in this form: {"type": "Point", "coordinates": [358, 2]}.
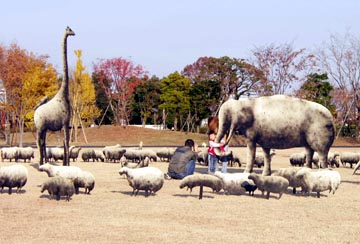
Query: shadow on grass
{"type": "Point", "coordinates": [47, 196]}
{"type": "Point", "coordinates": [130, 193]}
{"type": "Point", "coordinates": [6, 191]}
{"type": "Point", "coordinates": [351, 182]}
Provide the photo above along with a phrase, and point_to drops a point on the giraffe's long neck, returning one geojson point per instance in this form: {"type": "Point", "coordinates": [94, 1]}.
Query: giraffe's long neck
{"type": "Point", "coordinates": [64, 89]}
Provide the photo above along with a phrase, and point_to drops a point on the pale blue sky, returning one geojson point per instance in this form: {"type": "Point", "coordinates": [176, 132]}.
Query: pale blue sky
{"type": "Point", "coordinates": [166, 35]}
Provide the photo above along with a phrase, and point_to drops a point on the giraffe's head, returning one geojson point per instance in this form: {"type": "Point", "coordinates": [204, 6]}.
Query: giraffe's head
{"type": "Point", "coordinates": [69, 31]}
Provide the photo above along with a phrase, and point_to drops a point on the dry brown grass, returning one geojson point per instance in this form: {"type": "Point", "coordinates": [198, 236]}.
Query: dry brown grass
{"type": "Point", "coordinates": [111, 215]}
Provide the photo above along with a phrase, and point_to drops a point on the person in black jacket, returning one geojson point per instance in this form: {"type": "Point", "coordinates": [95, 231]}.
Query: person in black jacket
{"type": "Point", "coordinates": [183, 161]}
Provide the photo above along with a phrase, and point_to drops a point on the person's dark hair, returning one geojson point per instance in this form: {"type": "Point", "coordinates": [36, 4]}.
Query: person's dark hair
{"type": "Point", "coordinates": [190, 143]}
{"type": "Point", "coordinates": [210, 132]}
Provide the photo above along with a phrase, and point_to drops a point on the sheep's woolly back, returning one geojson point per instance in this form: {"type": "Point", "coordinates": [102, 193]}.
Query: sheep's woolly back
{"type": "Point", "coordinates": [9, 153]}
{"type": "Point", "coordinates": [211, 181]}
{"type": "Point", "coordinates": [58, 186]}
{"type": "Point", "coordinates": [149, 179]}
{"type": "Point", "coordinates": [320, 180]}
{"type": "Point", "coordinates": [232, 182]}
{"type": "Point", "coordinates": [85, 180]}
{"type": "Point", "coordinates": [291, 175]}
{"type": "Point", "coordinates": [13, 176]}
{"type": "Point", "coordinates": [270, 183]}
{"type": "Point", "coordinates": [70, 172]}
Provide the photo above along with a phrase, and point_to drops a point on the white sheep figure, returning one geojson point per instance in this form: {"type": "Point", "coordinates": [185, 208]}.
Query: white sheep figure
{"type": "Point", "coordinates": [13, 176]}
{"type": "Point", "coordinates": [274, 184]}
{"type": "Point", "coordinates": [333, 159]}
{"type": "Point", "coordinates": [25, 153]}
{"type": "Point", "coordinates": [70, 172]}
{"type": "Point", "coordinates": [260, 159]}
{"type": "Point", "coordinates": [148, 179]}
{"type": "Point", "coordinates": [208, 180]}
{"type": "Point", "coordinates": [319, 180]}
{"type": "Point", "coordinates": [9, 153]}
{"type": "Point", "coordinates": [57, 153]}
{"type": "Point", "coordinates": [350, 158]}
{"type": "Point", "coordinates": [114, 154]}
{"type": "Point", "coordinates": [298, 159]}
{"type": "Point", "coordinates": [290, 175]}
{"type": "Point", "coordinates": [87, 154]}
{"type": "Point", "coordinates": [232, 182]}
{"type": "Point", "coordinates": [74, 153]}
{"type": "Point", "coordinates": [107, 149]}
{"type": "Point", "coordinates": [141, 164]}
{"type": "Point", "coordinates": [85, 180]}
{"type": "Point", "coordinates": [165, 153]}
{"type": "Point", "coordinates": [58, 186]}
{"type": "Point", "coordinates": [98, 155]}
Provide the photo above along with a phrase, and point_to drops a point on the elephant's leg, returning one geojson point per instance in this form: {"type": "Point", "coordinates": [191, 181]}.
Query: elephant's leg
{"type": "Point", "coordinates": [267, 162]}
{"type": "Point", "coordinates": [251, 150]}
{"type": "Point", "coordinates": [309, 155]}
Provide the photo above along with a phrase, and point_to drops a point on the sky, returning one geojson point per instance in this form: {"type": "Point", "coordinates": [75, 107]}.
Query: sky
{"type": "Point", "coordinates": [164, 36]}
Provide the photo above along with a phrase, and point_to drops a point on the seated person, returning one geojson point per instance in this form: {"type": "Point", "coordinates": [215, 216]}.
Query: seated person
{"type": "Point", "coordinates": [183, 161]}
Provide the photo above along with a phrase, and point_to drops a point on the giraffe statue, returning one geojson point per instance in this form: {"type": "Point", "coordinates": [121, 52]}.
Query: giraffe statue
{"type": "Point", "coordinates": [55, 114]}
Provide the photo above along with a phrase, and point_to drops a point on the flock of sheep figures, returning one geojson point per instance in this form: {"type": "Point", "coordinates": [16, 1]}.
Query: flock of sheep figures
{"type": "Point", "coordinates": [66, 180]}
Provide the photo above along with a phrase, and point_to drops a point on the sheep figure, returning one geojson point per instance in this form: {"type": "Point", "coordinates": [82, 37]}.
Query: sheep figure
{"type": "Point", "coordinates": [85, 180]}
{"type": "Point", "coordinates": [13, 176]}
{"type": "Point", "coordinates": [25, 153]}
{"type": "Point", "coordinates": [74, 153]}
{"type": "Point", "coordinates": [165, 153]}
{"type": "Point", "coordinates": [114, 154]}
{"type": "Point", "coordinates": [98, 156]}
{"type": "Point", "coordinates": [334, 158]}
{"type": "Point", "coordinates": [58, 186]}
{"type": "Point", "coordinates": [70, 172]}
{"type": "Point", "coordinates": [148, 179]}
{"type": "Point", "coordinates": [298, 159]}
{"type": "Point", "coordinates": [234, 157]}
{"type": "Point", "coordinates": [57, 153]}
{"type": "Point", "coordinates": [291, 175]}
{"type": "Point", "coordinates": [249, 187]}
{"type": "Point", "coordinates": [319, 180]}
{"type": "Point", "coordinates": [203, 156]}
{"type": "Point", "coordinates": [9, 153]}
{"type": "Point", "coordinates": [350, 158]}
{"type": "Point", "coordinates": [107, 149]}
{"type": "Point", "coordinates": [211, 181]}
{"type": "Point", "coordinates": [274, 184]}
{"type": "Point", "coordinates": [259, 158]}
{"type": "Point", "coordinates": [232, 182]}
{"type": "Point", "coordinates": [87, 154]}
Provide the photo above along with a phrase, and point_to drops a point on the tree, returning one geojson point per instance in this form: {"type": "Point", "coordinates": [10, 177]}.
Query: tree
{"type": "Point", "coordinates": [340, 58]}
{"type": "Point", "coordinates": [317, 89]}
{"type": "Point", "coordinates": [175, 97]}
{"type": "Point", "coordinates": [119, 77]}
{"type": "Point", "coordinates": [204, 98]}
{"type": "Point", "coordinates": [82, 93]}
{"type": "Point", "coordinates": [282, 66]}
{"type": "Point", "coordinates": [235, 76]}
{"type": "Point", "coordinates": [146, 98]}
{"type": "Point", "coordinates": [27, 78]}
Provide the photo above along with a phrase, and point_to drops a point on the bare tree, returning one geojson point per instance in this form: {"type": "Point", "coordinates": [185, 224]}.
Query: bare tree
{"type": "Point", "coordinates": [340, 58]}
{"type": "Point", "coordinates": [282, 66]}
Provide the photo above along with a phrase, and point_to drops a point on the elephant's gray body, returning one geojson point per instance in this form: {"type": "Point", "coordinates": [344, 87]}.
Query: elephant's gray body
{"type": "Point", "coordinates": [278, 122]}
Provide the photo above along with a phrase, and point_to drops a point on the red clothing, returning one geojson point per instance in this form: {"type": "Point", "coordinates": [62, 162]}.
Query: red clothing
{"type": "Point", "coordinates": [212, 145]}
